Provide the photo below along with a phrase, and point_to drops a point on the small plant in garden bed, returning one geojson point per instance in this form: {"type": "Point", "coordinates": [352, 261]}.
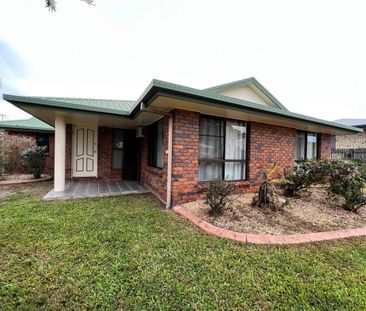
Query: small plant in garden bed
{"type": "Point", "coordinates": [218, 195]}
{"type": "Point", "coordinates": [267, 195]}
{"type": "Point", "coordinates": [33, 160]}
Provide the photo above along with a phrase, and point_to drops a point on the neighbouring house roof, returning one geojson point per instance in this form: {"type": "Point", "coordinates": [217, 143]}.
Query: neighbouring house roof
{"type": "Point", "coordinates": [209, 97]}
{"type": "Point", "coordinates": [32, 124]}
{"type": "Point", "coordinates": [353, 122]}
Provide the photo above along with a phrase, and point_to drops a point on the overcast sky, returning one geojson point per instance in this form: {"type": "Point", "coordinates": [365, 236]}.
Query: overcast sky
{"type": "Point", "coordinates": [310, 54]}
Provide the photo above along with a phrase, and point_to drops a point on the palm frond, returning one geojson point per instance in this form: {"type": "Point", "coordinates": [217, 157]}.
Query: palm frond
{"type": "Point", "coordinates": [51, 5]}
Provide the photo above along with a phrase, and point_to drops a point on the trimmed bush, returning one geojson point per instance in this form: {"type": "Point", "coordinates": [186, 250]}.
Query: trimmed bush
{"type": "Point", "coordinates": [33, 160]}
{"type": "Point", "coordinates": [305, 174]}
{"type": "Point", "coordinates": [347, 179]}
{"type": "Point", "coordinates": [218, 195]}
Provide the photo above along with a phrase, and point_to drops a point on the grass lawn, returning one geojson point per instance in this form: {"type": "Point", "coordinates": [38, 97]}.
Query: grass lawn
{"type": "Point", "coordinates": [128, 253]}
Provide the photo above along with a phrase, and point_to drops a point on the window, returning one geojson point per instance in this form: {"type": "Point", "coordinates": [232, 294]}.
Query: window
{"type": "Point", "coordinates": [117, 148]}
{"type": "Point", "coordinates": [155, 144]}
{"type": "Point", "coordinates": [306, 145]}
{"type": "Point", "coordinates": [42, 141]}
{"type": "Point", "coordinates": [222, 149]}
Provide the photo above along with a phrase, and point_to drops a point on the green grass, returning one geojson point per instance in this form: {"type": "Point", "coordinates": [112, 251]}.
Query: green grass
{"type": "Point", "coordinates": [127, 253]}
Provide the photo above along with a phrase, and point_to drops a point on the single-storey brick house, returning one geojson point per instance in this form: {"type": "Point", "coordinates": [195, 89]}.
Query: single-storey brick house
{"type": "Point", "coordinates": [175, 138]}
{"type": "Point", "coordinates": [39, 131]}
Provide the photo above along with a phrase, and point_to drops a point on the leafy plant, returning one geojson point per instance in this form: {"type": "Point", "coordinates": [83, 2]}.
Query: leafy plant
{"type": "Point", "coordinates": [267, 195]}
{"type": "Point", "coordinates": [218, 195]}
{"type": "Point", "coordinates": [33, 160]}
{"type": "Point", "coordinates": [347, 180]}
{"type": "Point", "coordinates": [305, 174]}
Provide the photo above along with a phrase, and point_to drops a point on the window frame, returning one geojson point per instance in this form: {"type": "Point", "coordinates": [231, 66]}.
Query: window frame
{"type": "Point", "coordinates": [48, 141]}
{"type": "Point", "coordinates": [152, 138]}
{"type": "Point", "coordinates": [223, 160]}
{"type": "Point", "coordinates": [318, 136]}
{"type": "Point", "coordinates": [118, 149]}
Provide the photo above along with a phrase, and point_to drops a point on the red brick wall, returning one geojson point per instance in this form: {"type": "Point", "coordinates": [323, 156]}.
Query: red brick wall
{"type": "Point", "coordinates": [325, 146]}
{"type": "Point", "coordinates": [153, 177]}
{"type": "Point", "coordinates": [185, 156]}
{"type": "Point", "coordinates": [269, 144]}
{"type": "Point", "coordinates": [266, 144]}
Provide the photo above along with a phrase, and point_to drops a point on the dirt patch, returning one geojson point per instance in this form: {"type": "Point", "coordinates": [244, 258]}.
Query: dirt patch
{"type": "Point", "coordinates": [313, 213]}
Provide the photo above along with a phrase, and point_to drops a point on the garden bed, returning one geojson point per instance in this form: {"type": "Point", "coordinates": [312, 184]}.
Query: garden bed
{"type": "Point", "coordinates": [22, 179]}
{"type": "Point", "coordinates": [313, 213]}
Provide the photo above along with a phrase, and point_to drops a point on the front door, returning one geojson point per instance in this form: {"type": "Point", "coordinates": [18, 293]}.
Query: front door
{"type": "Point", "coordinates": [84, 159]}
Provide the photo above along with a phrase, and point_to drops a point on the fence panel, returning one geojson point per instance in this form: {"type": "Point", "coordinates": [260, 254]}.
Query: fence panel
{"type": "Point", "coordinates": [356, 154]}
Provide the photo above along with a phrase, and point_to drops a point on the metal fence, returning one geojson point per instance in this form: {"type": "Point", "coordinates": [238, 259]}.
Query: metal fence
{"type": "Point", "coordinates": [357, 154]}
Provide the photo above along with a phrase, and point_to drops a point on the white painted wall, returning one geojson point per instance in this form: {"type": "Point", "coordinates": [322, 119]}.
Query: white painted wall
{"type": "Point", "coordinates": [245, 93]}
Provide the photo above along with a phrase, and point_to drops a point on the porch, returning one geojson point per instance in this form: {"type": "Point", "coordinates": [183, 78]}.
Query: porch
{"type": "Point", "coordinates": [78, 190]}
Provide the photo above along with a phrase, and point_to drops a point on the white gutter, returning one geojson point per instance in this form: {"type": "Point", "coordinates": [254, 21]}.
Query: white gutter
{"type": "Point", "coordinates": [170, 163]}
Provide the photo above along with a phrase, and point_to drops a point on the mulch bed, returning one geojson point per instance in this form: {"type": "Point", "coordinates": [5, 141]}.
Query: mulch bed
{"type": "Point", "coordinates": [312, 213]}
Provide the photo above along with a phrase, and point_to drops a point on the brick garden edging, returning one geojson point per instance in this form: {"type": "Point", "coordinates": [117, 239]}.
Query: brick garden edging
{"type": "Point", "coordinates": [268, 238]}
{"type": "Point", "coordinates": [28, 181]}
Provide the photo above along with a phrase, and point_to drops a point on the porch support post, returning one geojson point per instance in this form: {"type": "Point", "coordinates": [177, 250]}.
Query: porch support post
{"type": "Point", "coordinates": [60, 153]}
{"type": "Point", "coordinates": [170, 163]}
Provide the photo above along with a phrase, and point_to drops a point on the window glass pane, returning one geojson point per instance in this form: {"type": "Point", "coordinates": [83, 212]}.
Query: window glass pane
{"type": "Point", "coordinates": [300, 146]}
{"type": "Point", "coordinates": [210, 171]}
{"type": "Point", "coordinates": [211, 147]}
{"type": "Point", "coordinates": [234, 170]}
{"type": "Point", "coordinates": [117, 159]}
{"type": "Point", "coordinates": [311, 152]}
{"type": "Point", "coordinates": [117, 139]}
{"type": "Point", "coordinates": [211, 126]}
{"type": "Point", "coordinates": [42, 141]}
{"type": "Point", "coordinates": [235, 140]}
{"type": "Point", "coordinates": [159, 145]}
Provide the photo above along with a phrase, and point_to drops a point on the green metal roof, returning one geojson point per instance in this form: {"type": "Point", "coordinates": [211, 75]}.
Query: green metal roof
{"type": "Point", "coordinates": [32, 124]}
{"type": "Point", "coordinates": [131, 109]}
{"type": "Point", "coordinates": [120, 107]}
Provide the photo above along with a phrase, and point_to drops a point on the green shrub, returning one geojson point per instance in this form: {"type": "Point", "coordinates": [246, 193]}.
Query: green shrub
{"type": "Point", "coordinates": [33, 160]}
{"type": "Point", "coordinates": [218, 195]}
{"type": "Point", "coordinates": [347, 179]}
{"type": "Point", "coordinates": [305, 174]}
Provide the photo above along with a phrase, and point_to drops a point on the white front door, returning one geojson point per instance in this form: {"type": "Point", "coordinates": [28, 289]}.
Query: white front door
{"type": "Point", "coordinates": [84, 155]}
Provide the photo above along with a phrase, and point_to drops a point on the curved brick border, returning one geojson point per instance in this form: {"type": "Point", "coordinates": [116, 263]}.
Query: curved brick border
{"type": "Point", "coordinates": [268, 238]}
{"type": "Point", "coordinates": [19, 182]}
